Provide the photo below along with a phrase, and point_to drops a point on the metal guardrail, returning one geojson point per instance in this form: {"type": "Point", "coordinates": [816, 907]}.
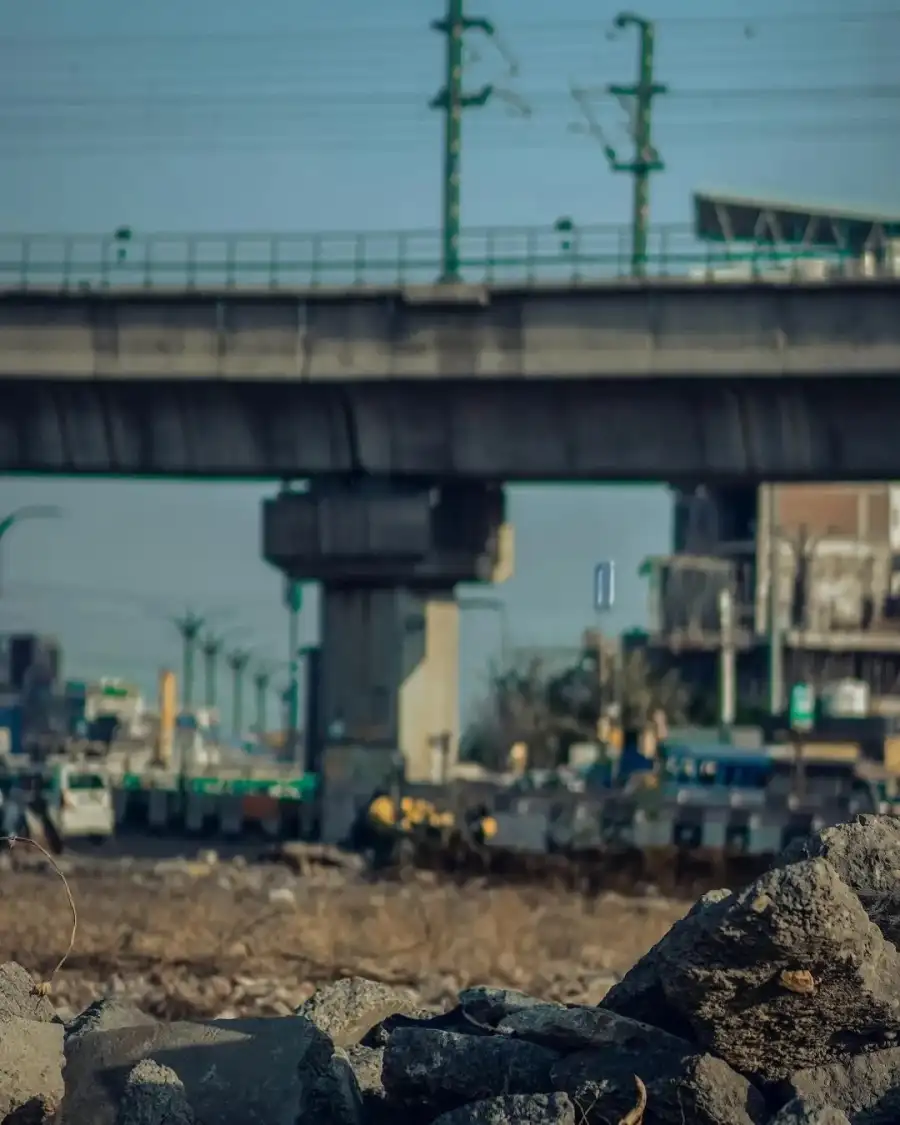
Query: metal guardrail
{"type": "Point", "coordinates": [392, 258]}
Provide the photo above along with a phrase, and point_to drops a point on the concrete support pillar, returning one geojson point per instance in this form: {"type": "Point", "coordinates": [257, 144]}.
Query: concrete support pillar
{"type": "Point", "coordinates": [390, 672]}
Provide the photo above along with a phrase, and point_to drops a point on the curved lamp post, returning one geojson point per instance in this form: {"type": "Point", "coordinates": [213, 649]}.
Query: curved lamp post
{"type": "Point", "coordinates": [30, 512]}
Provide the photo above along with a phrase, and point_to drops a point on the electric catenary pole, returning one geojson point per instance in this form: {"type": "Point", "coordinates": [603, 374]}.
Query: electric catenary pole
{"type": "Point", "coordinates": [638, 100]}
{"type": "Point", "coordinates": [646, 159]}
{"type": "Point", "coordinates": [452, 100]}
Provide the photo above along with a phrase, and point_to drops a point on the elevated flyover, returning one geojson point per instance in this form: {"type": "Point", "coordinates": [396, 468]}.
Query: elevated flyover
{"type": "Point", "coordinates": [244, 356]}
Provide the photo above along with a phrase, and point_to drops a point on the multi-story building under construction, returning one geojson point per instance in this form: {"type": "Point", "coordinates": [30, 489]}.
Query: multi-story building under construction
{"type": "Point", "coordinates": [835, 552]}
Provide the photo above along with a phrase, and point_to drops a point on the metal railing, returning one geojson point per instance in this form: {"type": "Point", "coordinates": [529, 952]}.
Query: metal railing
{"type": "Point", "coordinates": [494, 255]}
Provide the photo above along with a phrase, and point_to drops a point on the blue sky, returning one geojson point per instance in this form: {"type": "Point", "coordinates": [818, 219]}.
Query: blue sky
{"type": "Point", "coordinates": [194, 116]}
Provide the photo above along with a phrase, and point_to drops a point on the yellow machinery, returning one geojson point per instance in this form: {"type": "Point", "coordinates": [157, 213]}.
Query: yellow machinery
{"type": "Point", "coordinates": [414, 828]}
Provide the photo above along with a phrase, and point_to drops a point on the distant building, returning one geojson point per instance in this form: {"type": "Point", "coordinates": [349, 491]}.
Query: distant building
{"type": "Point", "coordinates": [836, 557]}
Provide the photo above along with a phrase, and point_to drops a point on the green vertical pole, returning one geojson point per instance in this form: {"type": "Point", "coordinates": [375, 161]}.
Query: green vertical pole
{"type": "Point", "coordinates": [261, 681]}
{"type": "Point", "coordinates": [645, 160]}
{"type": "Point", "coordinates": [643, 150]}
{"type": "Point", "coordinates": [211, 648]}
{"type": "Point", "coordinates": [452, 141]}
{"type": "Point", "coordinates": [294, 601]}
{"type": "Point", "coordinates": [452, 101]}
{"type": "Point", "coordinates": [189, 627]}
{"type": "Point", "coordinates": [238, 662]}
{"type": "Point", "coordinates": [773, 608]}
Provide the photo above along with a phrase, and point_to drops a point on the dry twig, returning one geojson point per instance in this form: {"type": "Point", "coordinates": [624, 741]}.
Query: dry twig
{"type": "Point", "coordinates": [636, 1116]}
{"type": "Point", "coordinates": [43, 987]}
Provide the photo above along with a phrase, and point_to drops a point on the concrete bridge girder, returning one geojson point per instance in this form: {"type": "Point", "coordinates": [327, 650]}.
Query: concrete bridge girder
{"type": "Point", "coordinates": [661, 430]}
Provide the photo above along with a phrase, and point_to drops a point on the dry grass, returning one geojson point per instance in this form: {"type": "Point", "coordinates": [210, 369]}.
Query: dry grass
{"type": "Point", "coordinates": [546, 943]}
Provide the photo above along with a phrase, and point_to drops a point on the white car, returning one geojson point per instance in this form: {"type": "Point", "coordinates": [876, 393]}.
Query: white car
{"type": "Point", "coordinates": [80, 803]}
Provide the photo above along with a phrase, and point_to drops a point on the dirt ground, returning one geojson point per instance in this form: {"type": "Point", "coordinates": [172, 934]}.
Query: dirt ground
{"type": "Point", "coordinates": [214, 937]}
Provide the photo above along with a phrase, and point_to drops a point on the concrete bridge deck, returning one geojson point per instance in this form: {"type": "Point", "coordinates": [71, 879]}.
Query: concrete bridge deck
{"type": "Point", "coordinates": [588, 331]}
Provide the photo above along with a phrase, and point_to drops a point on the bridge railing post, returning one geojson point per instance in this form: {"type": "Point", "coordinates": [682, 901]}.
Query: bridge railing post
{"type": "Point", "coordinates": [230, 263]}
{"type": "Point", "coordinates": [191, 263]}
{"type": "Point", "coordinates": [315, 263]}
{"type": "Point", "coordinates": [148, 263]}
{"type": "Point", "coordinates": [273, 262]}
{"type": "Point", "coordinates": [359, 260]}
{"type": "Point", "coordinates": [24, 262]}
{"type": "Point", "coordinates": [68, 247]}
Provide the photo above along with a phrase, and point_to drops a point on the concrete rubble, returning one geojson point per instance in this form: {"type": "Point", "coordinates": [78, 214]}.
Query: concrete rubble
{"type": "Point", "coordinates": [775, 1005]}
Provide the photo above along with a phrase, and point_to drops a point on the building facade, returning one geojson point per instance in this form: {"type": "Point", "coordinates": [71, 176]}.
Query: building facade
{"type": "Point", "coordinates": [834, 551]}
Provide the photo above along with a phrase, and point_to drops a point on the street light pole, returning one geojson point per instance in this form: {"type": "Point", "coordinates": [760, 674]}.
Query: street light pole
{"type": "Point", "coordinates": [212, 646]}
{"type": "Point", "coordinates": [262, 677]}
{"type": "Point", "coordinates": [237, 662]}
{"type": "Point", "coordinates": [30, 512]}
{"type": "Point", "coordinates": [189, 627]}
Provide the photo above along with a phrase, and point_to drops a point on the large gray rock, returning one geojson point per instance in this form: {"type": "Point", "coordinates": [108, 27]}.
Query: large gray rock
{"type": "Point", "coordinates": [108, 1014]}
{"type": "Point", "coordinates": [486, 1007]}
{"type": "Point", "coordinates": [154, 1095]}
{"type": "Point", "coordinates": [20, 997]}
{"type": "Point", "coordinates": [443, 1069]}
{"type": "Point", "coordinates": [235, 1072]}
{"type": "Point", "coordinates": [516, 1109]}
{"type": "Point", "coordinates": [681, 1084]}
{"type": "Point", "coordinates": [31, 1070]}
{"type": "Point", "coordinates": [379, 1035]}
{"type": "Point", "coordinates": [640, 993]}
{"type": "Point", "coordinates": [335, 1097]}
{"type": "Point", "coordinates": [788, 974]}
{"type": "Point", "coordinates": [348, 1009]}
{"type": "Point", "coordinates": [577, 1029]}
{"type": "Point", "coordinates": [866, 1088]}
{"type": "Point", "coordinates": [866, 854]}
{"type": "Point", "coordinates": [799, 1112]}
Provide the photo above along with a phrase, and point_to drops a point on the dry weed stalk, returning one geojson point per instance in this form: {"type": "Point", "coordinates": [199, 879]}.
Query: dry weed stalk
{"type": "Point", "coordinates": [636, 1115]}
{"type": "Point", "coordinates": [43, 987]}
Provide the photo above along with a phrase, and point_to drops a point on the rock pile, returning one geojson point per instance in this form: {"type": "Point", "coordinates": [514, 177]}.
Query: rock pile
{"type": "Point", "coordinates": [778, 1005]}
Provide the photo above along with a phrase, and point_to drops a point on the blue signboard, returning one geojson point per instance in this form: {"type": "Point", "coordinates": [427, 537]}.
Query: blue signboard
{"type": "Point", "coordinates": [604, 585]}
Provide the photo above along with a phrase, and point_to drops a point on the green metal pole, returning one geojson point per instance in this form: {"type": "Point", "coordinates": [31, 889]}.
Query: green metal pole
{"type": "Point", "coordinates": [294, 604]}
{"type": "Point", "coordinates": [261, 682]}
{"type": "Point", "coordinates": [645, 160]}
{"type": "Point", "coordinates": [452, 140]}
{"type": "Point", "coordinates": [211, 649]}
{"type": "Point", "coordinates": [643, 150]}
{"type": "Point", "coordinates": [452, 101]}
{"type": "Point", "coordinates": [238, 662]}
{"type": "Point", "coordinates": [776, 640]}
{"type": "Point", "coordinates": [189, 626]}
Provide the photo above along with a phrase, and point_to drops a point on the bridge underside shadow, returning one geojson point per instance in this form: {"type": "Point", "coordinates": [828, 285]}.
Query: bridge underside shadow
{"type": "Point", "coordinates": [517, 430]}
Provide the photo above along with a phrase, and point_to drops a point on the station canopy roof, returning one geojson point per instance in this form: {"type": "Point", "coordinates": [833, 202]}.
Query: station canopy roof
{"type": "Point", "coordinates": [721, 217]}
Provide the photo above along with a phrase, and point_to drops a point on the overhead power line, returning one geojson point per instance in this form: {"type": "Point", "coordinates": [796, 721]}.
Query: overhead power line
{"type": "Point", "coordinates": [299, 100]}
{"type": "Point", "coordinates": [286, 144]}
{"type": "Point", "coordinates": [370, 31]}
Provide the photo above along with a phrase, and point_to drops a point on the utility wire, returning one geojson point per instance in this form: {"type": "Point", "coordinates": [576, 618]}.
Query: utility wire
{"type": "Point", "coordinates": [368, 32]}
{"type": "Point", "coordinates": [362, 99]}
